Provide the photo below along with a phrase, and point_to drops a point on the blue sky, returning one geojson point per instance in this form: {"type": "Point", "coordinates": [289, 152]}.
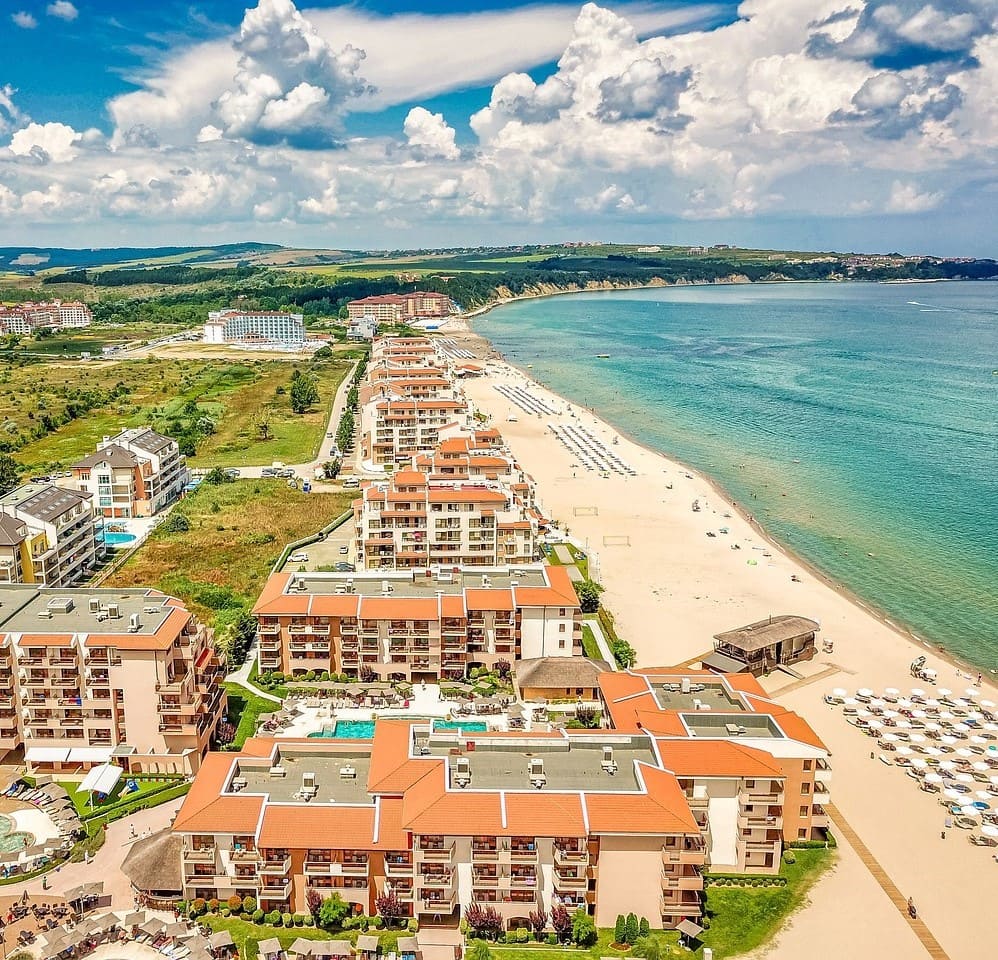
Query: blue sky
{"type": "Point", "coordinates": [853, 124]}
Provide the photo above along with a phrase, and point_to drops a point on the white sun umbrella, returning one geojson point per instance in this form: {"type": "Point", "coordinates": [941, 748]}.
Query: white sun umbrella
{"type": "Point", "coordinates": [933, 778]}
{"type": "Point", "coordinates": [961, 728]}
{"type": "Point", "coordinates": [951, 793]}
{"type": "Point", "coordinates": [932, 751]}
{"type": "Point", "coordinates": [969, 810]}
{"type": "Point", "coordinates": [947, 765]}
{"type": "Point", "coordinates": [919, 762]}
{"type": "Point", "coordinates": [964, 778]}
{"type": "Point", "coordinates": [840, 692]}
{"type": "Point", "coordinates": [918, 715]}
{"type": "Point", "coordinates": [917, 693]}
{"type": "Point", "coordinates": [890, 714]}
{"type": "Point", "coordinates": [874, 724]}
{"type": "Point", "coordinates": [945, 716]}
{"type": "Point", "coordinates": [865, 714]}
{"type": "Point", "coordinates": [971, 693]}
{"type": "Point", "coordinates": [948, 740]}
{"type": "Point", "coordinates": [987, 704]}
{"type": "Point", "coordinates": [980, 767]}
{"type": "Point", "coordinates": [904, 751]}
{"type": "Point", "coordinates": [989, 831]}
{"type": "Point", "coordinates": [864, 692]}
{"type": "Point", "coordinates": [850, 702]}
{"type": "Point", "coordinates": [903, 725]}
{"type": "Point", "coordinates": [931, 704]}
{"type": "Point", "coordinates": [964, 752]}
{"type": "Point", "coordinates": [917, 738]}
{"type": "Point", "coordinates": [877, 705]}
{"type": "Point", "coordinates": [943, 692]}
{"type": "Point", "coordinates": [891, 693]}
{"type": "Point", "coordinates": [983, 796]}
{"type": "Point", "coordinates": [978, 741]}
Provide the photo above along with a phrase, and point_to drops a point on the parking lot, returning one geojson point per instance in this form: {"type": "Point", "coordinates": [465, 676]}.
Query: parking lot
{"type": "Point", "coordinates": [326, 552]}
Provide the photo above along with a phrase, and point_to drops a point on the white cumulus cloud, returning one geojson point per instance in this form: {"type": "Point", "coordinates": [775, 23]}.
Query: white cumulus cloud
{"type": "Point", "coordinates": [905, 198]}
{"type": "Point", "coordinates": [55, 142]}
{"type": "Point", "coordinates": [24, 20]}
{"type": "Point", "coordinates": [429, 134]}
{"type": "Point", "coordinates": [62, 10]}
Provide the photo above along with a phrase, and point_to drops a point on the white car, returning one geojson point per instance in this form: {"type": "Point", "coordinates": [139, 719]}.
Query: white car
{"type": "Point", "coordinates": [298, 558]}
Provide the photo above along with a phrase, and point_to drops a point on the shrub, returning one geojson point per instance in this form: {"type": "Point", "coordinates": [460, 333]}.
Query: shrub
{"type": "Point", "coordinates": [644, 928]}
{"type": "Point", "coordinates": [789, 856]}
{"type": "Point", "coordinates": [300, 919]}
{"type": "Point", "coordinates": [583, 928]}
{"type": "Point", "coordinates": [287, 919]}
{"type": "Point", "coordinates": [333, 910]}
{"type": "Point", "coordinates": [631, 928]}
{"type": "Point", "coordinates": [522, 935]}
{"type": "Point", "coordinates": [225, 912]}
{"type": "Point", "coordinates": [479, 951]}
{"type": "Point", "coordinates": [176, 523]}
{"type": "Point", "coordinates": [212, 905]}
{"type": "Point", "coordinates": [618, 929]}
{"type": "Point", "coordinates": [249, 905]}
{"type": "Point", "coordinates": [198, 907]}
{"type": "Point", "coordinates": [274, 917]}
{"type": "Point", "coordinates": [552, 939]}
{"type": "Point", "coordinates": [647, 947]}
{"type": "Point", "coordinates": [258, 915]}
{"type": "Point", "coordinates": [235, 902]}
{"type": "Point", "coordinates": [413, 925]}
{"type": "Point", "coordinates": [510, 936]}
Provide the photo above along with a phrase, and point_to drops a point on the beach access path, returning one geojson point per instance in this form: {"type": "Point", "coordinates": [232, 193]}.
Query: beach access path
{"type": "Point", "coordinates": [671, 588]}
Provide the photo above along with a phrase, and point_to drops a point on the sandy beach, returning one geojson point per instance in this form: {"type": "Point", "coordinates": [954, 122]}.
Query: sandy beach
{"type": "Point", "coordinates": [671, 588]}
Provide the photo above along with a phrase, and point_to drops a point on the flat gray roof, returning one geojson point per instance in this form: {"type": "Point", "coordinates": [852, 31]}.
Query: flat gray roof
{"type": "Point", "coordinates": [713, 694]}
{"type": "Point", "coordinates": [409, 584]}
{"type": "Point", "coordinates": [326, 767]}
{"type": "Point", "coordinates": [20, 607]}
{"type": "Point", "coordinates": [710, 724]}
{"type": "Point", "coordinates": [572, 764]}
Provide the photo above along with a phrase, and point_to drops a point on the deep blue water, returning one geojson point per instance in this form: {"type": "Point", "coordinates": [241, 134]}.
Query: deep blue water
{"type": "Point", "coordinates": [850, 419]}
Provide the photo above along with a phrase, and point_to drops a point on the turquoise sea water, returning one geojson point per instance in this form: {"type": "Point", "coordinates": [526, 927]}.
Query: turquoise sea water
{"type": "Point", "coordinates": [850, 419]}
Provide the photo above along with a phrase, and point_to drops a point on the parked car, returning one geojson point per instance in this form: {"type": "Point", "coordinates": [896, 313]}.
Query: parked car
{"type": "Point", "coordinates": [232, 471]}
{"type": "Point", "coordinates": [268, 472]}
{"type": "Point", "coordinates": [344, 549]}
{"type": "Point", "coordinates": [286, 474]}
{"type": "Point", "coordinates": [298, 558]}
{"type": "Point", "coordinates": [343, 567]}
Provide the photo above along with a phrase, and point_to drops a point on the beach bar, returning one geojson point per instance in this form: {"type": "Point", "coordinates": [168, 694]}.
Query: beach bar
{"type": "Point", "coordinates": [764, 646]}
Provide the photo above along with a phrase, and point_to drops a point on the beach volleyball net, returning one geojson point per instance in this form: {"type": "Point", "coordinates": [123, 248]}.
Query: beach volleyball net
{"type": "Point", "coordinates": [616, 540]}
{"type": "Point", "coordinates": [586, 511]}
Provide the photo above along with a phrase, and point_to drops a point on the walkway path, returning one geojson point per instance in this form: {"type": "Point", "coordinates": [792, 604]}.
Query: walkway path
{"type": "Point", "coordinates": [241, 676]}
{"type": "Point", "coordinates": [931, 944]}
{"type": "Point", "coordinates": [604, 648]}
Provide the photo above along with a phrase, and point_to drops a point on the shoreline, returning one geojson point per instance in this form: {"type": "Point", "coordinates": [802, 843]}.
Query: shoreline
{"type": "Point", "coordinates": [895, 622]}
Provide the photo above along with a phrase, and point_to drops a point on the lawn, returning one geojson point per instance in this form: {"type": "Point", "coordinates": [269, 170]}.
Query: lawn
{"type": "Point", "coordinates": [237, 532]}
{"type": "Point", "coordinates": [81, 800]}
{"type": "Point", "coordinates": [245, 710]}
{"type": "Point", "coordinates": [165, 393]}
{"type": "Point", "coordinates": [589, 647]}
{"type": "Point", "coordinates": [246, 935]}
{"type": "Point", "coordinates": [744, 918]}
{"type": "Point", "coordinates": [668, 941]}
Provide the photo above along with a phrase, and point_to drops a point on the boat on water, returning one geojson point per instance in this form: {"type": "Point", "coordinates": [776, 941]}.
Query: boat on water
{"type": "Point", "coordinates": [602, 356]}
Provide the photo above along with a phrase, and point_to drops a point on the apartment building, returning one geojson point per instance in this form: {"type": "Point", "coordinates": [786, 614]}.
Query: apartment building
{"type": "Point", "coordinates": [394, 431]}
{"type": "Point", "coordinates": [26, 318]}
{"type": "Point", "coordinates": [265, 328]}
{"type": "Point", "coordinates": [48, 535]}
{"type": "Point", "coordinates": [416, 625]}
{"type": "Point", "coordinates": [134, 474]}
{"type": "Point", "coordinates": [518, 822]}
{"type": "Point", "coordinates": [410, 521]}
{"type": "Point", "coordinates": [404, 351]}
{"type": "Point", "coordinates": [90, 675]}
{"type": "Point", "coordinates": [394, 308]}
{"type": "Point", "coordinates": [755, 774]}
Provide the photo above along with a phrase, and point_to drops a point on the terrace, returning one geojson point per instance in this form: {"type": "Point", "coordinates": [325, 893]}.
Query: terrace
{"type": "Point", "coordinates": [728, 725]}
{"type": "Point", "coordinates": [329, 774]}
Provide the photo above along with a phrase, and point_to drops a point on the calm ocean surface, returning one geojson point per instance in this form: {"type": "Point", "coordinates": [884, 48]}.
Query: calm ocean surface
{"type": "Point", "coordinates": [851, 419]}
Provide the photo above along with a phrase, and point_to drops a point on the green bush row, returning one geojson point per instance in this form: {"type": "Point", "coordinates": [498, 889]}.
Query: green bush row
{"type": "Point", "coordinates": [152, 798]}
{"type": "Point", "coordinates": [741, 880]}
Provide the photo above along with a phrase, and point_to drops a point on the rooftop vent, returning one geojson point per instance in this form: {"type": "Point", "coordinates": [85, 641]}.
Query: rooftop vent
{"type": "Point", "coordinates": [60, 604]}
{"type": "Point", "coordinates": [45, 614]}
{"type": "Point", "coordinates": [536, 773]}
{"type": "Point", "coordinates": [114, 611]}
{"type": "Point", "coordinates": [608, 764]}
{"type": "Point", "coordinates": [486, 581]}
{"type": "Point", "coordinates": [134, 623]}
{"type": "Point", "coordinates": [386, 587]}
{"type": "Point", "coordinates": [94, 604]}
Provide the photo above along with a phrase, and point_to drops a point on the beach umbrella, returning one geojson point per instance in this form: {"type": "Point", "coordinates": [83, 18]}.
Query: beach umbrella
{"type": "Point", "coordinates": [903, 725]}
{"type": "Point", "coordinates": [948, 740]}
{"type": "Point", "coordinates": [892, 738]}
{"type": "Point", "coordinates": [904, 703]}
{"type": "Point", "coordinates": [891, 693]}
{"type": "Point", "coordinates": [874, 724]}
{"type": "Point", "coordinates": [918, 714]}
{"type": "Point", "coordinates": [983, 797]}
{"type": "Point", "coordinates": [971, 692]}
{"type": "Point", "coordinates": [964, 778]}
{"type": "Point", "coordinates": [877, 704]}
{"type": "Point", "coordinates": [917, 693]}
{"type": "Point", "coordinates": [890, 714]}
{"type": "Point", "coordinates": [951, 793]}
{"type": "Point", "coordinates": [969, 810]}
{"type": "Point", "coordinates": [964, 752]}
{"type": "Point", "coordinates": [944, 716]}
{"type": "Point", "coordinates": [989, 831]}
{"type": "Point", "coordinates": [919, 762]}
{"type": "Point", "coordinates": [932, 751]}
{"type": "Point", "coordinates": [864, 692]}
{"type": "Point", "coordinates": [987, 704]}
{"type": "Point", "coordinates": [904, 751]}
{"type": "Point", "coordinates": [917, 738]}
{"type": "Point", "coordinates": [934, 778]}
{"type": "Point", "coordinates": [948, 765]}
{"type": "Point", "coordinates": [980, 767]}
{"type": "Point", "coordinates": [840, 692]}
{"type": "Point", "coordinates": [932, 727]}
{"type": "Point", "coordinates": [961, 728]}
{"type": "Point", "coordinates": [943, 692]}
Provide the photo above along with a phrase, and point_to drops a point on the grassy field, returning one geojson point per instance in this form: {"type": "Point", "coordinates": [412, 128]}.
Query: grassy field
{"type": "Point", "coordinates": [744, 918]}
{"type": "Point", "coordinates": [244, 711]}
{"type": "Point", "coordinates": [589, 647]}
{"type": "Point", "coordinates": [81, 800]}
{"type": "Point", "coordinates": [237, 533]}
{"type": "Point", "coordinates": [236, 395]}
{"type": "Point", "coordinates": [668, 944]}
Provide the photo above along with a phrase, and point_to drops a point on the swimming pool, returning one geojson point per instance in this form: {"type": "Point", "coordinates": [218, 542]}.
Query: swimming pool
{"type": "Point", "coordinates": [115, 539]}
{"type": "Point", "coordinates": [364, 729]}
{"type": "Point", "coordinates": [11, 839]}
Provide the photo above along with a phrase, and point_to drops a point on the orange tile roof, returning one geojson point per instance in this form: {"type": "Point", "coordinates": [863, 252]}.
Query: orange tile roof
{"type": "Point", "coordinates": [272, 589]}
{"type": "Point", "coordinates": [545, 815]}
{"type": "Point", "coordinates": [716, 758]}
{"type": "Point", "coordinates": [338, 826]}
{"type": "Point", "coordinates": [489, 599]}
{"type": "Point", "coordinates": [399, 608]}
{"type": "Point", "coordinates": [46, 639]}
{"type": "Point", "coordinates": [204, 810]}
{"type": "Point", "coordinates": [334, 605]}
{"type": "Point", "coordinates": [662, 810]}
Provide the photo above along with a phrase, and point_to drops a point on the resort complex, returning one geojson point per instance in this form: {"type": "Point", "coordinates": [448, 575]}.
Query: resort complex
{"type": "Point", "coordinates": [26, 319]}
{"type": "Point", "coordinates": [92, 676]}
{"type": "Point", "coordinates": [266, 329]}
{"type": "Point", "coordinates": [615, 820]}
{"type": "Point", "coordinates": [393, 308]}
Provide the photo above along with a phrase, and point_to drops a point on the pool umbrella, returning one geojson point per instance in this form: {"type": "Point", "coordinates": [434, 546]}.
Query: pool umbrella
{"type": "Point", "coordinates": [891, 693]}
{"type": "Point", "coordinates": [943, 692]}
{"type": "Point", "coordinates": [989, 831]}
{"type": "Point", "coordinates": [917, 693]}
{"type": "Point", "coordinates": [840, 692]}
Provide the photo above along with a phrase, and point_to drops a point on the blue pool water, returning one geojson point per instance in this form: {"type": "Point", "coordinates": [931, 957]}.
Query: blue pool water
{"type": "Point", "coordinates": [115, 539]}
{"type": "Point", "coordinates": [364, 729]}
{"type": "Point", "coordinates": [855, 420]}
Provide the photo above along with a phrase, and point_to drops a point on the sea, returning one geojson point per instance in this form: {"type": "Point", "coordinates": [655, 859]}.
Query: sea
{"type": "Point", "coordinates": [858, 422]}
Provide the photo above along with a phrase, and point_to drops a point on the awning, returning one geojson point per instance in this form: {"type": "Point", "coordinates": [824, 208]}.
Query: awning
{"type": "Point", "coordinates": [689, 929]}
{"type": "Point", "coordinates": [47, 754]}
{"type": "Point", "coordinates": [267, 948]}
{"type": "Point", "coordinates": [90, 754]}
{"type": "Point", "coordinates": [722, 663]}
{"type": "Point", "coordinates": [102, 779]}
{"type": "Point", "coordinates": [221, 939]}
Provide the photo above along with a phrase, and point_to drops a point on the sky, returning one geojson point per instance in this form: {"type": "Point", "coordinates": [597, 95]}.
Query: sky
{"type": "Point", "coordinates": [865, 125]}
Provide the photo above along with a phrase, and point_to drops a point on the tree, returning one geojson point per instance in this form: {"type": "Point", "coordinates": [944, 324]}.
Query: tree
{"type": "Point", "coordinates": [216, 476]}
{"type": "Point", "coordinates": [583, 929]}
{"type": "Point", "coordinates": [313, 900]}
{"type": "Point", "coordinates": [176, 523]}
{"type": "Point", "coordinates": [644, 928]}
{"type": "Point", "coordinates": [623, 653]}
{"type": "Point", "coordinates": [588, 592]}
{"type": "Point", "coordinates": [263, 428]}
{"type": "Point", "coordinates": [485, 921]}
{"type": "Point", "coordinates": [538, 921]}
{"type": "Point", "coordinates": [10, 473]}
{"type": "Point", "coordinates": [648, 947]}
{"type": "Point", "coordinates": [561, 920]}
{"type": "Point", "coordinates": [631, 928]}
{"type": "Point", "coordinates": [332, 911]}
{"type": "Point", "coordinates": [331, 469]}
{"type": "Point", "coordinates": [389, 906]}
{"type": "Point", "coordinates": [323, 353]}
{"type": "Point", "coordinates": [618, 929]}
{"type": "Point", "coordinates": [304, 392]}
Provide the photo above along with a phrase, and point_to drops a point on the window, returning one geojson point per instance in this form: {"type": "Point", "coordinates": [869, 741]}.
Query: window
{"type": "Point", "coordinates": [749, 784]}
{"type": "Point", "coordinates": [808, 764]}
{"type": "Point", "coordinates": [802, 833]}
{"type": "Point", "coordinates": [805, 788]}
{"type": "Point", "coordinates": [561, 628]}
{"type": "Point", "coordinates": [804, 811]}
{"type": "Point", "coordinates": [562, 612]}
{"type": "Point", "coordinates": [561, 643]}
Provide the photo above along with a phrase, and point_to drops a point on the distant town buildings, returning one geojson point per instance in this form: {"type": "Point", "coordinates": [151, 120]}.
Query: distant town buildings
{"type": "Point", "coordinates": [134, 474]}
{"type": "Point", "coordinates": [395, 308]}
{"type": "Point", "coordinates": [25, 319]}
{"type": "Point", "coordinates": [266, 329]}
{"type": "Point", "coordinates": [48, 535]}
{"type": "Point", "coordinates": [88, 675]}
{"type": "Point", "coordinates": [362, 328]}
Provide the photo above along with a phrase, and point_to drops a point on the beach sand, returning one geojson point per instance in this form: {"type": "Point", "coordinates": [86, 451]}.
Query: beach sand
{"type": "Point", "coordinates": [671, 588]}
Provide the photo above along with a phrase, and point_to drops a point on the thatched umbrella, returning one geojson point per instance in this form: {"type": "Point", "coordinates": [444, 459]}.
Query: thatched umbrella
{"type": "Point", "coordinates": [153, 865]}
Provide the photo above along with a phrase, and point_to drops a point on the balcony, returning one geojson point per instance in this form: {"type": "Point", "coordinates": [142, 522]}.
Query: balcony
{"type": "Point", "coordinates": [819, 817]}
{"type": "Point", "coordinates": [278, 866]}
{"type": "Point", "coordinates": [682, 881]}
{"type": "Point", "coordinates": [436, 851]}
{"type": "Point", "coordinates": [398, 868]}
{"type": "Point", "coordinates": [693, 851]}
{"type": "Point", "coordinates": [821, 794]}
{"type": "Point", "coordinates": [523, 881]}
{"type": "Point", "coordinates": [199, 855]}
{"type": "Point", "coordinates": [523, 854]}
{"type": "Point", "coordinates": [269, 890]}
{"type": "Point", "coordinates": [435, 902]}
{"type": "Point", "coordinates": [570, 855]}
{"type": "Point", "coordinates": [484, 852]}
{"type": "Point", "coordinates": [436, 879]}
{"type": "Point", "coordinates": [683, 903]}
{"type": "Point", "coordinates": [355, 867]}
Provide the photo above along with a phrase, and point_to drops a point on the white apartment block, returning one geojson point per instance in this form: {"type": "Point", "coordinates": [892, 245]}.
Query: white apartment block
{"type": "Point", "coordinates": [134, 474]}
{"type": "Point", "coordinates": [266, 329]}
{"type": "Point", "coordinates": [24, 319]}
{"type": "Point", "coordinates": [393, 432]}
{"type": "Point", "coordinates": [48, 535]}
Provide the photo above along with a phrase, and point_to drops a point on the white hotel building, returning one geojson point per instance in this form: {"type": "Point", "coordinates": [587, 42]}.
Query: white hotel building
{"type": "Point", "coordinates": [266, 329]}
